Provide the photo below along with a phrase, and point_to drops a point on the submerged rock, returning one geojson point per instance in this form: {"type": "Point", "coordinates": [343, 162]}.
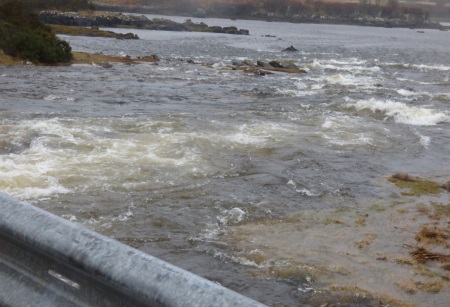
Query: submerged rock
{"type": "Point", "coordinates": [262, 68]}
{"type": "Point", "coordinates": [262, 64]}
{"type": "Point", "coordinates": [106, 65]}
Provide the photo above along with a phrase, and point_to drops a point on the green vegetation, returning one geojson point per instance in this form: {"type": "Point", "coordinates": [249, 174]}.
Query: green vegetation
{"type": "Point", "coordinates": [281, 9]}
{"type": "Point", "coordinates": [65, 5]}
{"type": "Point", "coordinates": [100, 59]}
{"type": "Point", "coordinates": [416, 185]}
{"type": "Point", "coordinates": [23, 35]}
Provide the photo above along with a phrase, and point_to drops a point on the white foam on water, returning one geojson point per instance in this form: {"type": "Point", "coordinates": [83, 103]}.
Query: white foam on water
{"type": "Point", "coordinates": [407, 93]}
{"type": "Point", "coordinates": [256, 134]}
{"type": "Point", "coordinates": [423, 139]}
{"type": "Point", "coordinates": [219, 65]}
{"type": "Point", "coordinates": [349, 65]}
{"type": "Point", "coordinates": [243, 138]}
{"type": "Point", "coordinates": [306, 192]}
{"type": "Point", "coordinates": [431, 67]}
{"type": "Point", "coordinates": [343, 130]}
{"type": "Point", "coordinates": [69, 217]}
{"type": "Point", "coordinates": [165, 68]}
{"type": "Point", "coordinates": [303, 191]}
{"type": "Point", "coordinates": [296, 93]}
{"type": "Point", "coordinates": [123, 216]}
{"type": "Point", "coordinates": [236, 259]}
{"type": "Point", "coordinates": [220, 227]}
{"type": "Point", "coordinates": [421, 67]}
{"type": "Point", "coordinates": [52, 97]}
{"type": "Point", "coordinates": [412, 93]}
{"type": "Point", "coordinates": [350, 61]}
{"type": "Point", "coordinates": [403, 113]}
{"type": "Point", "coordinates": [347, 80]}
{"type": "Point", "coordinates": [232, 216]}
{"type": "Point", "coordinates": [76, 155]}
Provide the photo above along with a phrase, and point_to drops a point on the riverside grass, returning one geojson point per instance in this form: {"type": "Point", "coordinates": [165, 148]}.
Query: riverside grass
{"type": "Point", "coordinates": [83, 58]}
{"type": "Point", "coordinates": [83, 31]}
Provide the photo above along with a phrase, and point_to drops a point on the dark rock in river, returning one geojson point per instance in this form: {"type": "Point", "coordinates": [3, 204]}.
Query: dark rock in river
{"type": "Point", "coordinates": [276, 64]}
{"type": "Point", "coordinates": [236, 62]}
{"type": "Point", "coordinates": [290, 49]}
{"type": "Point", "coordinates": [259, 72]}
{"type": "Point", "coordinates": [106, 65]}
{"type": "Point", "coordinates": [289, 65]}
{"type": "Point", "coordinates": [283, 64]}
{"type": "Point", "coordinates": [262, 64]}
{"type": "Point", "coordinates": [248, 63]}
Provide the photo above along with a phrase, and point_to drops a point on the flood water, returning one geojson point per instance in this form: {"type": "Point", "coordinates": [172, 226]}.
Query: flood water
{"type": "Point", "coordinates": [253, 182]}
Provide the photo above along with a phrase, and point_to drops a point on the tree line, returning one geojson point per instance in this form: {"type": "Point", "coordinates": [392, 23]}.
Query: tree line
{"type": "Point", "coordinates": [288, 8]}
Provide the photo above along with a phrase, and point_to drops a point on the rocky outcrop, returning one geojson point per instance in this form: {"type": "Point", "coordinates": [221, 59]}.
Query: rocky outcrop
{"type": "Point", "coordinates": [262, 68]}
{"type": "Point", "coordinates": [103, 20]}
{"type": "Point", "coordinates": [118, 20]}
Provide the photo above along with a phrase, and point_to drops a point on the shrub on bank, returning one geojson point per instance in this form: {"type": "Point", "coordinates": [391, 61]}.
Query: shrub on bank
{"type": "Point", "coordinates": [63, 5]}
{"type": "Point", "coordinates": [23, 35]}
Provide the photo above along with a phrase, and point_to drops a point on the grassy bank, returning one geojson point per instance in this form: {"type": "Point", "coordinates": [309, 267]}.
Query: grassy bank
{"type": "Point", "coordinates": [94, 32]}
{"type": "Point", "coordinates": [8, 60]}
{"type": "Point", "coordinates": [86, 58]}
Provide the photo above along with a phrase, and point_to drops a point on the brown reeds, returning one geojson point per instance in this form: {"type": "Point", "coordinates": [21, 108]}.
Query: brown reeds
{"type": "Point", "coordinates": [433, 235]}
{"type": "Point", "coordinates": [404, 177]}
{"type": "Point", "coordinates": [446, 186]}
{"type": "Point", "coordinates": [422, 255]}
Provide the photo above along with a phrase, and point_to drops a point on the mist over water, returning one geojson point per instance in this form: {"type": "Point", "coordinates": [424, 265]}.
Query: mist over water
{"type": "Point", "coordinates": [208, 167]}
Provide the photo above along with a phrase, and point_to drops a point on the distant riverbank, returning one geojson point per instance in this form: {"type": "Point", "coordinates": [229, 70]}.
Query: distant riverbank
{"type": "Point", "coordinates": [119, 20]}
{"type": "Point", "coordinates": [410, 18]}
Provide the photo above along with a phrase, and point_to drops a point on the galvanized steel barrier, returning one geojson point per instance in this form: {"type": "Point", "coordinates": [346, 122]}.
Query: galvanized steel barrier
{"type": "Point", "coordinates": [46, 260]}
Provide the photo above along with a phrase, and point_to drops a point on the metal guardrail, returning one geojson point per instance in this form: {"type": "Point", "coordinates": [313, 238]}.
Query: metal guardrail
{"type": "Point", "coordinates": [46, 260]}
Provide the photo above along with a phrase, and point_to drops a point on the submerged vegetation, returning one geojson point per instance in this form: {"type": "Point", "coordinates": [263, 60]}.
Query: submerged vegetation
{"type": "Point", "coordinates": [24, 36]}
{"type": "Point", "coordinates": [415, 185]}
{"type": "Point", "coordinates": [338, 248]}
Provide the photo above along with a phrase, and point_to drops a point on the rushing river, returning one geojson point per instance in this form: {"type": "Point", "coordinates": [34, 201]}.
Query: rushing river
{"type": "Point", "coordinates": [257, 183]}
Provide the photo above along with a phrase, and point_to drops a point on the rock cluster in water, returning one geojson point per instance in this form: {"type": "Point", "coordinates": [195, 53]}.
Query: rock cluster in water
{"type": "Point", "coordinates": [113, 20]}
{"type": "Point", "coordinates": [262, 68]}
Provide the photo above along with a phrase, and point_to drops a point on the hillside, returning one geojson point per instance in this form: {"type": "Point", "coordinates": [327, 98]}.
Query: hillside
{"type": "Point", "coordinates": [248, 8]}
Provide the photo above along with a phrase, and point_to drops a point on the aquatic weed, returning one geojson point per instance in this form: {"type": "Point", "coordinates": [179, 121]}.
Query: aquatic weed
{"type": "Point", "coordinates": [416, 185]}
